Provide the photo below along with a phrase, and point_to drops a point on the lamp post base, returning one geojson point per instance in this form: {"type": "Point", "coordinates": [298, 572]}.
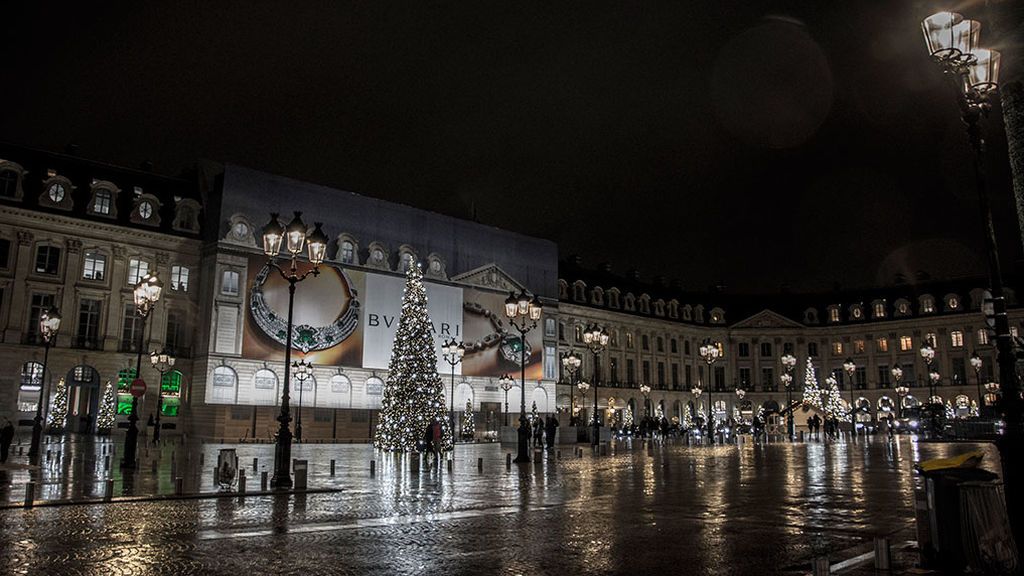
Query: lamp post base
{"type": "Point", "coordinates": [131, 441]}
{"type": "Point", "coordinates": [282, 479]}
{"type": "Point", "coordinates": [523, 453]}
{"type": "Point", "coordinates": [37, 440]}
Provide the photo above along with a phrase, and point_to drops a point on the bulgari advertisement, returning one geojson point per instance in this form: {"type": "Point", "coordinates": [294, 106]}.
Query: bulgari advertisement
{"type": "Point", "coordinates": [346, 317]}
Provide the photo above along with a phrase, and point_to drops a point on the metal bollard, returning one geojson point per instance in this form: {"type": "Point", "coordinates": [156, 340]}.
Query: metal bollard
{"type": "Point", "coordinates": [373, 467]}
{"type": "Point", "coordinates": [450, 463]}
{"type": "Point", "coordinates": [508, 461]}
{"type": "Point", "coordinates": [179, 486]}
{"type": "Point", "coordinates": [215, 476]}
{"type": "Point", "coordinates": [263, 481]}
{"type": "Point", "coordinates": [414, 463]}
{"type": "Point", "coordinates": [108, 490]}
{"type": "Point", "coordinates": [255, 464]}
{"type": "Point", "coordinates": [480, 464]}
{"type": "Point", "coordinates": [202, 456]}
{"type": "Point", "coordinates": [47, 455]}
{"type": "Point", "coordinates": [332, 467]}
{"type": "Point", "coordinates": [241, 481]}
{"type": "Point", "coordinates": [883, 554]}
{"type": "Point", "coordinates": [30, 494]}
{"type": "Point", "coordinates": [106, 462]}
{"type": "Point", "coordinates": [558, 454]}
{"type": "Point", "coordinates": [801, 435]}
{"type": "Point", "coordinates": [820, 566]}
{"type": "Point", "coordinates": [21, 450]}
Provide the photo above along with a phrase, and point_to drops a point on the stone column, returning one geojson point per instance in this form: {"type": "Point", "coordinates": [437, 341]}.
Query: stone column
{"type": "Point", "coordinates": [14, 330]}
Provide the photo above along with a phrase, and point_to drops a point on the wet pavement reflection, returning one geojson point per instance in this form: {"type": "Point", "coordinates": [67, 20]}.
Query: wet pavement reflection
{"type": "Point", "coordinates": [645, 508]}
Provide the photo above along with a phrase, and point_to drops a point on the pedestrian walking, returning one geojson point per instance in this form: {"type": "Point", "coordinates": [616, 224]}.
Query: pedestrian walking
{"type": "Point", "coordinates": [435, 434]}
{"type": "Point", "coordinates": [551, 427]}
{"type": "Point", "coordinates": [6, 437]}
{"type": "Point", "coordinates": [538, 432]}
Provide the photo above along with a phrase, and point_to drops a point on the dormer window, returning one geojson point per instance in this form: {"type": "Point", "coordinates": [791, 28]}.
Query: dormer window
{"type": "Point", "coordinates": [878, 309]}
{"type": "Point", "coordinates": [613, 298]}
{"type": "Point", "coordinates": [56, 192]}
{"type": "Point", "coordinates": [348, 252]}
{"type": "Point", "coordinates": [927, 305]}
{"type": "Point", "coordinates": [952, 303]}
{"type": "Point", "coordinates": [10, 180]}
{"type": "Point", "coordinates": [145, 209]}
{"type": "Point", "coordinates": [101, 202]}
{"type": "Point", "coordinates": [579, 292]}
{"type": "Point", "coordinates": [857, 312]}
{"type": "Point", "coordinates": [833, 314]}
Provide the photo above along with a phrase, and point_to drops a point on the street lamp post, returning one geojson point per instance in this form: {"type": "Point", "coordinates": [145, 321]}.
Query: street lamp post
{"type": "Point", "coordinates": [710, 353]}
{"type": "Point", "coordinates": [522, 313]}
{"type": "Point", "coordinates": [928, 355]}
{"type": "Point", "coordinates": [303, 370]}
{"type": "Point", "coordinates": [452, 352]}
{"type": "Point", "coordinates": [953, 42]}
{"type": "Point", "coordinates": [646, 391]}
{"type": "Point", "coordinates": [788, 363]}
{"type": "Point", "coordinates": [976, 363]}
{"type": "Point", "coordinates": [900, 389]}
{"type": "Point", "coordinates": [146, 294]}
{"type": "Point", "coordinates": [850, 367]}
{"type": "Point", "coordinates": [49, 324]}
{"type": "Point", "coordinates": [583, 386]}
{"type": "Point", "coordinates": [506, 382]}
{"type": "Point", "coordinates": [696, 391]}
{"type": "Point", "coordinates": [571, 363]}
{"type": "Point", "coordinates": [294, 237]}
{"type": "Point", "coordinates": [596, 339]}
{"type": "Point", "coordinates": [163, 361]}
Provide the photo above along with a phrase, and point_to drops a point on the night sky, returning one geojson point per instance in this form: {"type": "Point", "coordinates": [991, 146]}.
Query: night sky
{"type": "Point", "coordinates": [758, 144]}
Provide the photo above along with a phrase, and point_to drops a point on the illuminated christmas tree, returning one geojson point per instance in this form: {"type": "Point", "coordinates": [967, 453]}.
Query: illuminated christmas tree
{"type": "Point", "coordinates": [533, 413]}
{"type": "Point", "coordinates": [659, 413]}
{"type": "Point", "coordinates": [833, 403]}
{"type": "Point", "coordinates": [468, 424]}
{"type": "Point", "coordinates": [627, 416]}
{"type": "Point", "coordinates": [812, 392]}
{"type": "Point", "coordinates": [687, 418]}
{"type": "Point", "coordinates": [414, 394]}
{"type": "Point", "coordinates": [108, 408]}
{"type": "Point", "coordinates": [59, 407]}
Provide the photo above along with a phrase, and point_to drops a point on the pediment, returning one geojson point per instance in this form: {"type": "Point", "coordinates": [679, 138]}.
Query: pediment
{"type": "Point", "coordinates": [767, 319]}
{"type": "Point", "coordinates": [489, 276]}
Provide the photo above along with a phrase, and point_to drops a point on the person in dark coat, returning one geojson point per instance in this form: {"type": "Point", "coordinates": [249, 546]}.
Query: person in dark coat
{"type": "Point", "coordinates": [550, 428]}
{"type": "Point", "coordinates": [538, 432]}
{"type": "Point", "coordinates": [6, 437]}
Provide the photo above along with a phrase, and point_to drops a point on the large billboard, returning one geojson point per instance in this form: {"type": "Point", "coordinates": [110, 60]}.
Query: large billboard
{"type": "Point", "coordinates": [348, 317]}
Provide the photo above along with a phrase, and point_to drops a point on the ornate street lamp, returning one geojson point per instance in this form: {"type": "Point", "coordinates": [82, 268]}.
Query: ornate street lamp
{"type": "Point", "coordinates": [788, 363]}
{"type": "Point", "coordinates": [49, 324]}
{"type": "Point", "coordinates": [596, 339]}
{"type": "Point", "coordinates": [583, 386]}
{"type": "Point", "coordinates": [522, 313]}
{"type": "Point", "coordinates": [146, 294]}
{"type": "Point", "coordinates": [452, 352]}
{"type": "Point", "coordinates": [506, 382]}
{"type": "Point", "coordinates": [295, 238]}
{"type": "Point", "coordinates": [163, 362]}
{"type": "Point", "coordinates": [646, 391]}
{"type": "Point", "coordinates": [976, 363]}
{"type": "Point", "coordinates": [710, 352]}
{"type": "Point", "coordinates": [850, 367]}
{"type": "Point", "coordinates": [302, 371]}
{"type": "Point", "coordinates": [900, 389]}
{"type": "Point", "coordinates": [571, 362]}
{"type": "Point", "coordinates": [928, 355]}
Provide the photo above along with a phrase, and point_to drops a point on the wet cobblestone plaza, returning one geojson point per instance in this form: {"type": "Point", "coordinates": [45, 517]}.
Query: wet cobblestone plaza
{"type": "Point", "coordinates": [747, 509]}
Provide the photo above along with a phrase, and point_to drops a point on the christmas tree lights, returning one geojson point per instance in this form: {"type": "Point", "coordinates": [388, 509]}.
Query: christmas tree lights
{"type": "Point", "coordinates": [108, 408]}
{"type": "Point", "coordinates": [534, 415]}
{"type": "Point", "coordinates": [59, 407]}
{"type": "Point", "coordinates": [833, 403]}
{"type": "Point", "coordinates": [812, 392]}
{"type": "Point", "coordinates": [627, 416]}
{"type": "Point", "coordinates": [413, 394]}
{"type": "Point", "coordinates": [468, 423]}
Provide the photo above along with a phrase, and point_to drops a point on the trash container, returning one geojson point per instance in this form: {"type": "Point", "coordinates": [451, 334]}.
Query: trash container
{"type": "Point", "coordinates": [300, 468]}
{"type": "Point", "coordinates": [940, 534]}
{"type": "Point", "coordinates": [988, 542]}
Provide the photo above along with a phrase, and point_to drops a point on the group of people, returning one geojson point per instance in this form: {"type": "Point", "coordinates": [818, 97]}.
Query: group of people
{"type": "Point", "coordinates": [544, 430]}
{"type": "Point", "coordinates": [814, 423]}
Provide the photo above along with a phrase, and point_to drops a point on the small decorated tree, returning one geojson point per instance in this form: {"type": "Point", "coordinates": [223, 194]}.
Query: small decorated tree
{"type": "Point", "coordinates": [468, 424]}
{"type": "Point", "coordinates": [687, 418]}
{"type": "Point", "coordinates": [812, 392]}
{"type": "Point", "coordinates": [627, 417]}
{"type": "Point", "coordinates": [59, 407]}
{"type": "Point", "coordinates": [108, 408]}
{"type": "Point", "coordinates": [534, 414]}
{"type": "Point", "coordinates": [834, 403]}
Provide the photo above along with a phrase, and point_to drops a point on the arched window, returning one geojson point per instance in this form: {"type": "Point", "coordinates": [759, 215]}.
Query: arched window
{"type": "Point", "coordinates": [304, 391]}
{"type": "Point", "coordinates": [224, 385]}
{"type": "Point", "coordinates": [579, 291]}
{"type": "Point", "coordinates": [170, 387]}
{"type": "Point", "coordinates": [264, 379]}
{"type": "Point", "coordinates": [348, 252]}
{"type": "Point", "coordinates": [374, 389]}
{"type": "Point", "coordinates": [9, 185]}
{"type": "Point", "coordinates": [83, 374]}
{"type": "Point", "coordinates": [341, 390]}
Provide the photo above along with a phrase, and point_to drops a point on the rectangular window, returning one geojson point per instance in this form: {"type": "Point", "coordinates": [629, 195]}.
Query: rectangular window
{"type": "Point", "coordinates": [674, 346]}
{"type": "Point", "coordinates": [88, 335]}
{"type": "Point", "coordinates": [549, 327]}
{"type": "Point", "coordinates": [879, 310]}
{"type": "Point", "coordinates": [812, 349]}
{"type": "Point", "coordinates": [613, 369]}
{"type": "Point", "coordinates": [646, 373]}
{"type": "Point", "coordinates": [743, 349]}
{"type": "Point", "coordinates": [766, 349]}
{"type": "Point", "coordinates": [136, 270]}
{"type": "Point", "coordinates": [101, 202]}
{"type": "Point", "coordinates": [5, 253]}
{"type": "Point", "coordinates": [931, 339]}
{"type": "Point", "coordinates": [175, 336]}
{"type": "Point", "coordinates": [767, 378]}
{"type": "Point", "coordinates": [179, 278]}
{"type": "Point", "coordinates": [550, 363]}
{"type": "Point", "coordinates": [645, 342]}
{"type": "Point", "coordinates": [744, 377]}
{"type": "Point", "coordinates": [94, 266]}
{"type": "Point", "coordinates": [906, 343]}
{"type": "Point", "coordinates": [630, 371]}
{"type": "Point", "coordinates": [861, 377]}
{"type": "Point", "coordinates": [47, 259]}
{"type": "Point", "coordinates": [959, 371]}
{"type": "Point", "coordinates": [661, 374]}
{"type": "Point", "coordinates": [688, 375]}
{"type": "Point", "coordinates": [719, 376]}
{"type": "Point", "coordinates": [956, 339]}
{"type": "Point", "coordinates": [983, 337]}
{"type": "Point", "coordinates": [130, 329]}
{"type": "Point", "coordinates": [837, 348]}
{"type": "Point", "coordinates": [686, 347]}
{"type": "Point", "coordinates": [858, 346]}
{"type": "Point", "coordinates": [661, 344]}
{"type": "Point", "coordinates": [882, 344]}
{"type": "Point", "coordinates": [833, 314]}
{"type": "Point", "coordinates": [675, 376]}
{"type": "Point", "coordinates": [40, 302]}
{"type": "Point", "coordinates": [229, 285]}
{"type": "Point", "coordinates": [629, 340]}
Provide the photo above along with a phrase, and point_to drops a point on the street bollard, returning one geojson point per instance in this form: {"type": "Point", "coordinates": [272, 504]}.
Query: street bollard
{"type": "Point", "coordinates": [154, 465]}
{"type": "Point", "coordinates": [508, 461]}
{"type": "Point", "coordinates": [179, 486]}
{"type": "Point", "coordinates": [604, 449]}
{"type": "Point", "coordinates": [801, 435]}
{"type": "Point", "coordinates": [537, 457]}
{"type": "Point", "coordinates": [332, 467]}
{"type": "Point", "coordinates": [21, 450]}
{"type": "Point", "coordinates": [263, 481]}
{"type": "Point", "coordinates": [108, 489]}
{"type": "Point", "coordinates": [414, 463]}
{"type": "Point", "coordinates": [820, 566]}
{"type": "Point", "coordinates": [47, 455]}
{"type": "Point", "coordinates": [241, 481]}
{"type": "Point", "coordinates": [301, 470]}
{"type": "Point", "coordinates": [255, 464]}
{"type": "Point", "coordinates": [558, 454]}
{"type": "Point", "coordinates": [106, 462]}
{"type": "Point", "coordinates": [30, 494]}
{"type": "Point", "coordinates": [202, 456]}
{"type": "Point", "coordinates": [883, 554]}
{"type": "Point", "coordinates": [450, 461]}
{"type": "Point", "coordinates": [373, 467]}
{"type": "Point", "coordinates": [215, 482]}
{"type": "Point", "coordinates": [480, 464]}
